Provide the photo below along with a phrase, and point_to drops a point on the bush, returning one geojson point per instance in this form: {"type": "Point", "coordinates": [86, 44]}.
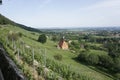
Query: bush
{"type": "Point", "coordinates": [117, 75]}
{"type": "Point", "coordinates": [54, 38]}
{"type": "Point", "coordinates": [13, 36]}
{"type": "Point", "coordinates": [83, 56]}
{"type": "Point", "coordinates": [87, 47]}
{"type": "Point", "coordinates": [116, 65]}
{"type": "Point", "coordinates": [58, 57]}
{"type": "Point", "coordinates": [42, 38]}
{"type": "Point", "coordinates": [93, 59]}
{"type": "Point", "coordinates": [75, 45]}
{"type": "Point", "coordinates": [105, 61]}
{"type": "Point", "coordinates": [20, 34]}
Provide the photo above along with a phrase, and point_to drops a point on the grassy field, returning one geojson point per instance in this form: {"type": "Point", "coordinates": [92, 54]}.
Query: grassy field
{"type": "Point", "coordinates": [51, 49]}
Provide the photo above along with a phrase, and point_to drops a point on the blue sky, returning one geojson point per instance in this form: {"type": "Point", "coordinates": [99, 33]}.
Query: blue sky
{"type": "Point", "coordinates": [63, 13]}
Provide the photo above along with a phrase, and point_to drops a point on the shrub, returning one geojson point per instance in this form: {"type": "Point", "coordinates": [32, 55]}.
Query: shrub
{"type": "Point", "coordinates": [87, 47]}
{"type": "Point", "coordinates": [117, 75]}
{"type": "Point", "coordinates": [75, 45]}
{"type": "Point", "coordinates": [93, 59]}
{"type": "Point", "coordinates": [58, 57]}
{"type": "Point", "coordinates": [20, 34]}
{"type": "Point", "coordinates": [42, 38]}
{"type": "Point", "coordinates": [117, 65]}
{"type": "Point", "coordinates": [83, 56]}
{"type": "Point", "coordinates": [13, 36]}
{"type": "Point", "coordinates": [54, 38]}
{"type": "Point", "coordinates": [105, 61]}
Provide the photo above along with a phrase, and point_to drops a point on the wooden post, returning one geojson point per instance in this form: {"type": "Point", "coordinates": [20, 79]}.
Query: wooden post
{"type": "Point", "coordinates": [6, 41]}
{"type": "Point", "coordinates": [45, 57]}
{"type": "Point", "coordinates": [23, 46]}
{"type": "Point", "coordinates": [18, 55]}
{"type": "Point", "coordinates": [33, 61]}
{"type": "Point", "coordinates": [12, 43]}
{"type": "Point", "coordinates": [45, 62]}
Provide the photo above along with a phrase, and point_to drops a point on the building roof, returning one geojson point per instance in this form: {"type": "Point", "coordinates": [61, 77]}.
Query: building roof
{"type": "Point", "coordinates": [63, 44]}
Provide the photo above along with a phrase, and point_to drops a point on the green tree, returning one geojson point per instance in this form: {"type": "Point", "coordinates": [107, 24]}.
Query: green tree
{"type": "Point", "coordinates": [93, 59]}
{"type": "Point", "coordinates": [87, 47]}
{"type": "Point", "coordinates": [54, 38]}
{"type": "Point", "coordinates": [83, 56]}
{"type": "Point", "coordinates": [42, 38]}
{"type": "Point", "coordinates": [75, 44]}
{"type": "Point", "coordinates": [117, 64]}
{"type": "Point", "coordinates": [20, 34]}
{"type": "Point", "coordinates": [106, 61]}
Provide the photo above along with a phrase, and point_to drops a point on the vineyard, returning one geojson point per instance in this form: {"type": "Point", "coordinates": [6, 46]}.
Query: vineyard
{"type": "Point", "coordinates": [34, 61]}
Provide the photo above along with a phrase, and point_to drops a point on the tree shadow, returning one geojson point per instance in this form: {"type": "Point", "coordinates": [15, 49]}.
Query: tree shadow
{"type": "Point", "coordinates": [96, 68]}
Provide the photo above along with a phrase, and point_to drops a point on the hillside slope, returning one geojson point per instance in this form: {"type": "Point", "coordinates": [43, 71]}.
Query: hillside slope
{"type": "Point", "coordinates": [21, 51]}
{"type": "Point", "coordinates": [5, 21]}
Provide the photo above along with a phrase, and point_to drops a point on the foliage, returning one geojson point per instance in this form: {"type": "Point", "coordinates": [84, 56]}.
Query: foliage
{"type": "Point", "coordinates": [58, 69]}
{"type": "Point", "coordinates": [58, 57]}
{"type": "Point", "coordinates": [4, 20]}
{"type": "Point", "coordinates": [42, 38]}
{"type": "Point", "coordinates": [116, 65]}
{"type": "Point", "coordinates": [83, 56]}
{"type": "Point", "coordinates": [87, 47]}
{"type": "Point", "coordinates": [105, 61]}
{"type": "Point", "coordinates": [13, 36]}
{"type": "Point", "coordinates": [113, 49]}
{"type": "Point", "coordinates": [54, 38]}
{"type": "Point", "coordinates": [117, 75]}
{"type": "Point", "coordinates": [93, 59]}
{"type": "Point", "coordinates": [20, 34]}
{"type": "Point", "coordinates": [75, 45]}
{"type": "Point", "coordinates": [28, 28]}
{"type": "Point", "coordinates": [88, 58]}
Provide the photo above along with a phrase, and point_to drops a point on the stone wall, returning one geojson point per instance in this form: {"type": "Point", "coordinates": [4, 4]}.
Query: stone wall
{"type": "Point", "coordinates": [9, 70]}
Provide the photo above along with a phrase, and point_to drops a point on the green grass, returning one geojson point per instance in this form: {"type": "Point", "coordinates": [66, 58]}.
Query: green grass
{"type": "Point", "coordinates": [98, 52]}
{"type": "Point", "coordinates": [51, 50]}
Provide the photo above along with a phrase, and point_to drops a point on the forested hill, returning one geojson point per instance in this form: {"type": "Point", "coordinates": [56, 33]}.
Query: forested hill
{"type": "Point", "coordinates": [4, 21]}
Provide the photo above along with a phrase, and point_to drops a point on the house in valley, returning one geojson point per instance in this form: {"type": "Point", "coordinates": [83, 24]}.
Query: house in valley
{"type": "Point", "coordinates": [63, 44]}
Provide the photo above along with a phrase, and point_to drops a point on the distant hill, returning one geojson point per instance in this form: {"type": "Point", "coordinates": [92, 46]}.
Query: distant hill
{"type": "Point", "coordinates": [5, 21]}
{"type": "Point", "coordinates": [28, 28]}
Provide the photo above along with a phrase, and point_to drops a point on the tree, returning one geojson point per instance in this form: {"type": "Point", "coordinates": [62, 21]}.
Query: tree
{"type": "Point", "coordinates": [20, 34]}
{"type": "Point", "coordinates": [93, 59]}
{"type": "Point", "coordinates": [106, 61]}
{"type": "Point", "coordinates": [87, 47]}
{"type": "Point", "coordinates": [42, 38]}
{"type": "Point", "coordinates": [83, 56]}
{"type": "Point", "coordinates": [113, 49]}
{"type": "Point", "coordinates": [54, 38]}
{"type": "Point", "coordinates": [117, 64]}
{"type": "Point", "coordinates": [75, 45]}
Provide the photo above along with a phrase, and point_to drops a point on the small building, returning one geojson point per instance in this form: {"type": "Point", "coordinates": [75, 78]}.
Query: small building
{"type": "Point", "coordinates": [63, 44]}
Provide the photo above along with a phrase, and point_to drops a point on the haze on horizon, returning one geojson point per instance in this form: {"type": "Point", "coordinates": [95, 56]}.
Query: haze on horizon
{"type": "Point", "coordinates": [63, 13]}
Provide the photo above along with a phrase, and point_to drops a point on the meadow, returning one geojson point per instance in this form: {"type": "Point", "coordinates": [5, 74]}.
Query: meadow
{"type": "Point", "coordinates": [68, 58]}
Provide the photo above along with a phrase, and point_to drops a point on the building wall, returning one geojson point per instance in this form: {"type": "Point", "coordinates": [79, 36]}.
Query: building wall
{"type": "Point", "coordinates": [63, 45]}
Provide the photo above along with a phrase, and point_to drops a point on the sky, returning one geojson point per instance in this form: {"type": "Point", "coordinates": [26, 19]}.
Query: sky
{"type": "Point", "coordinates": [63, 13]}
